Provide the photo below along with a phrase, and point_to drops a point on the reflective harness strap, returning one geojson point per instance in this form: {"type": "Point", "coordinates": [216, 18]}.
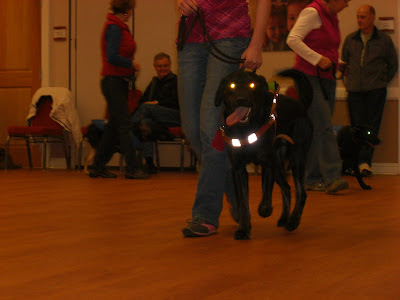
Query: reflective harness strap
{"type": "Point", "coordinates": [256, 135]}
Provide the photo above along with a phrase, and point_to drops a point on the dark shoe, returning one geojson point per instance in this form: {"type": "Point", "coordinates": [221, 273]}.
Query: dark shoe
{"type": "Point", "coordinates": [101, 173]}
{"type": "Point", "coordinates": [136, 174]}
{"type": "Point", "coordinates": [316, 187]}
{"type": "Point", "coordinates": [198, 227]}
{"type": "Point", "coordinates": [150, 168]}
{"type": "Point", "coordinates": [337, 185]}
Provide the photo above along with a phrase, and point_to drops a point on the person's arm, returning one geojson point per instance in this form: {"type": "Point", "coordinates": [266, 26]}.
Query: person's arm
{"type": "Point", "coordinates": [391, 61]}
{"type": "Point", "coordinates": [346, 50]}
{"type": "Point", "coordinates": [307, 21]}
{"type": "Point", "coordinates": [253, 54]}
{"type": "Point", "coordinates": [113, 41]}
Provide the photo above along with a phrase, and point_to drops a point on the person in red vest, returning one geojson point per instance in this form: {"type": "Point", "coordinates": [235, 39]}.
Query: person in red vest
{"type": "Point", "coordinates": [118, 68]}
{"type": "Point", "coordinates": [315, 38]}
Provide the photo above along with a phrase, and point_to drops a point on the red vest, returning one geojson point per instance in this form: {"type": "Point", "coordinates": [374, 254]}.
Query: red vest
{"type": "Point", "coordinates": [126, 48]}
{"type": "Point", "coordinates": [324, 40]}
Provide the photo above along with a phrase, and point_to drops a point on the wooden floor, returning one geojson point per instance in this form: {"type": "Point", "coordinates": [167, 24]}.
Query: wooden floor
{"type": "Point", "coordinates": [64, 235]}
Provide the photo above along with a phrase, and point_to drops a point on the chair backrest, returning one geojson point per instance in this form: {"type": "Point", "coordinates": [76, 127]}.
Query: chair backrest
{"type": "Point", "coordinates": [133, 102]}
{"type": "Point", "coordinates": [42, 117]}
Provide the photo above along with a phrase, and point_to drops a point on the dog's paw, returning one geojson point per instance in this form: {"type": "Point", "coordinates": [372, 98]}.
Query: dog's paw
{"type": "Point", "coordinates": [367, 187]}
{"type": "Point", "coordinates": [292, 224]}
{"type": "Point", "coordinates": [242, 235]}
{"type": "Point", "coordinates": [265, 211]}
{"type": "Point", "coordinates": [282, 222]}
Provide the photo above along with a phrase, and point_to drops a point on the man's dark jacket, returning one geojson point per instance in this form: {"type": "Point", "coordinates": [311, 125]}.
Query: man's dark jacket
{"type": "Point", "coordinates": [164, 90]}
{"type": "Point", "coordinates": [380, 61]}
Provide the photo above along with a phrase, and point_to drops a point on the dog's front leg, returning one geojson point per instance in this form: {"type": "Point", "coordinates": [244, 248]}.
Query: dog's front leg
{"type": "Point", "coordinates": [240, 180]}
{"type": "Point", "coordinates": [268, 179]}
{"type": "Point", "coordinates": [359, 177]}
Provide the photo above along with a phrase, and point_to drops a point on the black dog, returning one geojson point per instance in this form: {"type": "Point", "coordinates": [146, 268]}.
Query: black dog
{"type": "Point", "coordinates": [249, 120]}
{"type": "Point", "coordinates": [350, 141]}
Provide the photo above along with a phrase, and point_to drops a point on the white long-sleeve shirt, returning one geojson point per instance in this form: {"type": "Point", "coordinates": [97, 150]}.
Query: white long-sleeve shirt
{"type": "Point", "coordinates": [307, 21]}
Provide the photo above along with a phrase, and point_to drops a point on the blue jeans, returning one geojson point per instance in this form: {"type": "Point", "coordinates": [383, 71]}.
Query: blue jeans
{"type": "Point", "coordinates": [199, 75]}
{"type": "Point", "coordinates": [324, 163]}
{"type": "Point", "coordinates": [159, 114]}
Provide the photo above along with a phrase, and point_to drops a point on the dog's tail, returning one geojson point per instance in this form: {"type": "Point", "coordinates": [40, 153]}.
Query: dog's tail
{"type": "Point", "coordinates": [303, 86]}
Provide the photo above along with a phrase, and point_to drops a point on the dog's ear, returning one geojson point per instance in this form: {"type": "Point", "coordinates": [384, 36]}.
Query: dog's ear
{"type": "Point", "coordinates": [220, 93]}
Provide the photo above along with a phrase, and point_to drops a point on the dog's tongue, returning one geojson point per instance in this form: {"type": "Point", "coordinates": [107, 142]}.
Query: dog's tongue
{"type": "Point", "coordinates": [237, 115]}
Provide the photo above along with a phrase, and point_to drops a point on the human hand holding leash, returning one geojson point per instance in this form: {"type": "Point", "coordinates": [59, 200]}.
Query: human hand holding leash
{"type": "Point", "coordinates": [325, 63]}
{"type": "Point", "coordinates": [253, 58]}
{"type": "Point", "coordinates": [187, 7]}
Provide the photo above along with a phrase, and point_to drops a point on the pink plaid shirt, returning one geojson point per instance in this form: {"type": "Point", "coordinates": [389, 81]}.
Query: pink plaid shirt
{"type": "Point", "coordinates": [223, 19]}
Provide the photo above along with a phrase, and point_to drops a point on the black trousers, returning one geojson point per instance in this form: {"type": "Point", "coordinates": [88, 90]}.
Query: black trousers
{"type": "Point", "coordinates": [117, 131]}
{"type": "Point", "coordinates": [366, 108]}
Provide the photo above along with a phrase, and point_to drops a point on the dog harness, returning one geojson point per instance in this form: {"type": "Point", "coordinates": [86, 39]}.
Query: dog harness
{"type": "Point", "coordinates": [253, 137]}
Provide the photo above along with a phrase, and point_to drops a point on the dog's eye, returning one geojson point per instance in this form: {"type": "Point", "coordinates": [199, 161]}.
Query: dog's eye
{"type": "Point", "coordinates": [368, 132]}
{"type": "Point", "coordinates": [232, 85]}
{"type": "Point", "coordinates": [252, 85]}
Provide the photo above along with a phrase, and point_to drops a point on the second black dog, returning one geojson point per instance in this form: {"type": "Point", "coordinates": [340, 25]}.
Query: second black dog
{"type": "Point", "coordinates": [256, 130]}
{"type": "Point", "coordinates": [350, 141]}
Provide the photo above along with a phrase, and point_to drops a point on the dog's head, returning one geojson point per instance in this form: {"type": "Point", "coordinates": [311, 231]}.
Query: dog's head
{"type": "Point", "coordinates": [366, 134]}
{"type": "Point", "coordinates": [245, 97]}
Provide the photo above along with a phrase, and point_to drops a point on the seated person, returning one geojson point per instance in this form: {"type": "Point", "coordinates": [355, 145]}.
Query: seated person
{"type": "Point", "coordinates": [159, 104]}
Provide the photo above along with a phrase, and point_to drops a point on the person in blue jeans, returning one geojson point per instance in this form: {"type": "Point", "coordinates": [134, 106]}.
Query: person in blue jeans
{"type": "Point", "coordinates": [199, 74]}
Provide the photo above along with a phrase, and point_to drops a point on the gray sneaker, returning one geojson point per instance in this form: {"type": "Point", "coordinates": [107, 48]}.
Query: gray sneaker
{"type": "Point", "coordinates": [198, 227]}
{"type": "Point", "coordinates": [316, 187]}
{"type": "Point", "coordinates": [337, 185]}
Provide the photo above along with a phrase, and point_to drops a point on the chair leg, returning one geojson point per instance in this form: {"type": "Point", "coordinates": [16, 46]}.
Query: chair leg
{"type": "Point", "coordinates": [80, 155]}
{"type": "Point", "coordinates": [28, 151]}
{"type": "Point", "coordinates": [44, 154]}
{"type": "Point", "coordinates": [67, 154]}
{"type": "Point", "coordinates": [157, 154]}
{"type": "Point", "coordinates": [6, 154]}
{"type": "Point", "coordinates": [182, 155]}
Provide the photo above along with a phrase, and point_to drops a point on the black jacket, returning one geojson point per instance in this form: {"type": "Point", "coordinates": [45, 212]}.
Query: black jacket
{"type": "Point", "coordinates": [164, 90]}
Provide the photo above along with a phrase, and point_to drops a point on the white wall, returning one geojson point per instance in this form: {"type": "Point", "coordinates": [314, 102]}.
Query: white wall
{"type": "Point", "coordinates": [156, 27]}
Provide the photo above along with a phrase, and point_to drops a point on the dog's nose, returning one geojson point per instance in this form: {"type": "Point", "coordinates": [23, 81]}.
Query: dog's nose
{"type": "Point", "coordinates": [241, 101]}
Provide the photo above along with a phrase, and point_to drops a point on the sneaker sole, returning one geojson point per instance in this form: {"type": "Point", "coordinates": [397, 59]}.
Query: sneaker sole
{"type": "Point", "coordinates": [314, 190]}
{"type": "Point", "coordinates": [189, 233]}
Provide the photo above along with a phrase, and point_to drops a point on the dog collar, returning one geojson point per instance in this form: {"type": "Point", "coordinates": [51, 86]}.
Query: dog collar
{"type": "Point", "coordinates": [254, 136]}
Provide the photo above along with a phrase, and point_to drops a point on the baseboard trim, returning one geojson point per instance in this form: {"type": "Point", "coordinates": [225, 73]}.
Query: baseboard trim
{"type": "Point", "coordinates": [377, 168]}
{"type": "Point", "coordinates": [385, 168]}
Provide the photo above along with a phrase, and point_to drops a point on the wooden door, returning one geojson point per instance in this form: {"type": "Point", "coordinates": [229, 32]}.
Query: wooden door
{"type": "Point", "coordinates": [19, 62]}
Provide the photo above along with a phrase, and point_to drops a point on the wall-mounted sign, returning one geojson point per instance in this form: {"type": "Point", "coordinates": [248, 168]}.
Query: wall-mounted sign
{"type": "Point", "coordinates": [60, 33]}
{"type": "Point", "coordinates": [386, 24]}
